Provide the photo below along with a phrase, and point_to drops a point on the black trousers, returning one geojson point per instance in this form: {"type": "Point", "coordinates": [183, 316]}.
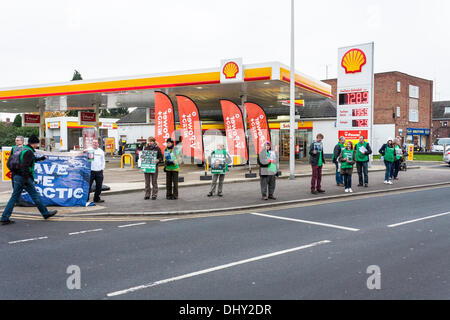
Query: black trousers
{"type": "Point", "coordinates": [172, 184]}
{"type": "Point", "coordinates": [98, 177]}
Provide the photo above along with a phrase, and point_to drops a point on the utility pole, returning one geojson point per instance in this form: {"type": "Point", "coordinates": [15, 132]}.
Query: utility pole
{"type": "Point", "coordinates": [292, 104]}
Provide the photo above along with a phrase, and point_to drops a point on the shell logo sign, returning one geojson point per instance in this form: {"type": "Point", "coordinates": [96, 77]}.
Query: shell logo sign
{"type": "Point", "coordinates": [230, 70]}
{"type": "Point", "coordinates": [353, 61]}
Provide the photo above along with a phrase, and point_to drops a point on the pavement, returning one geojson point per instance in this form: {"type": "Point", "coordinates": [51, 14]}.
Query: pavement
{"type": "Point", "coordinates": [391, 246]}
{"type": "Point", "coordinates": [239, 193]}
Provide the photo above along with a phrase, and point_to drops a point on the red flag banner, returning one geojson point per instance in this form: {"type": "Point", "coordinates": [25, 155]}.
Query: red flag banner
{"type": "Point", "coordinates": [259, 126]}
{"type": "Point", "coordinates": [164, 119]}
{"type": "Point", "coordinates": [191, 128]}
{"type": "Point", "coordinates": [234, 128]}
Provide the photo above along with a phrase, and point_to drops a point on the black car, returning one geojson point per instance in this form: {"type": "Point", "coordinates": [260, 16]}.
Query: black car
{"type": "Point", "coordinates": [133, 148]}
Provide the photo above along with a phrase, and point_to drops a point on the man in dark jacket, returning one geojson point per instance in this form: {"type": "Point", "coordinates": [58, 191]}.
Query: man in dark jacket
{"type": "Point", "coordinates": [336, 153]}
{"type": "Point", "coordinates": [317, 161]}
{"type": "Point", "coordinates": [24, 179]}
{"type": "Point", "coordinates": [153, 176]}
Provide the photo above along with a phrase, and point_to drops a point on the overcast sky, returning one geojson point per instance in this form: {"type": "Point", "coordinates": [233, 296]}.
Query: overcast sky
{"type": "Point", "coordinates": [45, 40]}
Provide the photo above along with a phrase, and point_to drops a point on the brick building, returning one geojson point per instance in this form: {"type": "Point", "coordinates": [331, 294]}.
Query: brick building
{"type": "Point", "coordinates": [441, 120]}
{"type": "Point", "coordinates": [405, 102]}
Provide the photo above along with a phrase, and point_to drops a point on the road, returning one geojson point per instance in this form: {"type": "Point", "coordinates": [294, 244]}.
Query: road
{"type": "Point", "coordinates": [321, 251]}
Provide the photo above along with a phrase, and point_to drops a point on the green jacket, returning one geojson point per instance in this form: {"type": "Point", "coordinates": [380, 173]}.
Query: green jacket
{"type": "Point", "coordinates": [347, 154]}
{"type": "Point", "coordinates": [171, 159]}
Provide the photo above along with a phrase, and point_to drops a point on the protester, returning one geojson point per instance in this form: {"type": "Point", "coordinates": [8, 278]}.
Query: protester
{"type": "Point", "coordinates": [363, 151]}
{"type": "Point", "coordinates": [97, 167]}
{"type": "Point", "coordinates": [388, 153]}
{"type": "Point", "coordinates": [24, 179]}
{"type": "Point", "coordinates": [398, 158]}
{"type": "Point", "coordinates": [336, 153]}
{"type": "Point", "coordinates": [172, 168]}
{"type": "Point", "coordinates": [317, 161]}
{"type": "Point", "coordinates": [20, 140]}
{"type": "Point", "coordinates": [152, 177]}
{"type": "Point", "coordinates": [219, 160]}
{"type": "Point", "coordinates": [347, 160]}
{"type": "Point", "coordinates": [269, 164]}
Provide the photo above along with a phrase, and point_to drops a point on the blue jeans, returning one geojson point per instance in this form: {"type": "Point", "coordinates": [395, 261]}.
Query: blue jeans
{"type": "Point", "coordinates": [19, 185]}
{"type": "Point", "coordinates": [339, 179]}
{"type": "Point", "coordinates": [387, 176]}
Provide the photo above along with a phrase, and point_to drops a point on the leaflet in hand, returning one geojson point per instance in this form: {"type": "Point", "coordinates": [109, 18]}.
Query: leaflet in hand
{"type": "Point", "coordinates": [363, 150]}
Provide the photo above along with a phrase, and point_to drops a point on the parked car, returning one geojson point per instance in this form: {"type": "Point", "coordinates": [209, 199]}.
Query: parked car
{"type": "Point", "coordinates": [134, 149]}
{"type": "Point", "coordinates": [447, 155]}
{"type": "Point", "coordinates": [438, 145]}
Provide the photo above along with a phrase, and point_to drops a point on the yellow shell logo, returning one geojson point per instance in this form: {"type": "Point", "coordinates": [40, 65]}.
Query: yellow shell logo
{"type": "Point", "coordinates": [230, 70]}
{"type": "Point", "coordinates": [353, 61]}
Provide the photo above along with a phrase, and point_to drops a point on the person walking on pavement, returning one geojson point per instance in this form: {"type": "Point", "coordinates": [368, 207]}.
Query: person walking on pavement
{"type": "Point", "coordinates": [317, 161]}
{"type": "Point", "coordinates": [97, 167]}
{"type": "Point", "coordinates": [336, 153]}
{"type": "Point", "coordinates": [152, 177]}
{"type": "Point", "coordinates": [347, 160]}
{"type": "Point", "coordinates": [388, 153]}
{"type": "Point", "coordinates": [172, 169]}
{"type": "Point", "coordinates": [24, 179]}
{"type": "Point", "coordinates": [219, 160]}
{"type": "Point", "coordinates": [363, 151]}
{"type": "Point", "coordinates": [269, 164]}
{"type": "Point", "coordinates": [398, 157]}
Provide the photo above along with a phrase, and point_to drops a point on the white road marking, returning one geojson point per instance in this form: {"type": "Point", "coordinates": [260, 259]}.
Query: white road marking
{"type": "Point", "coordinates": [307, 222]}
{"type": "Point", "coordinates": [225, 266]}
{"type": "Point", "coordinates": [165, 220]}
{"type": "Point", "coordinates": [417, 220]}
{"type": "Point", "coordinates": [86, 231]}
{"type": "Point", "coordinates": [27, 240]}
{"type": "Point", "coordinates": [132, 225]}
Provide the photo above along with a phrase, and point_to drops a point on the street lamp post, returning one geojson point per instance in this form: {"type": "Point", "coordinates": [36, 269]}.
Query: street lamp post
{"type": "Point", "coordinates": [292, 104]}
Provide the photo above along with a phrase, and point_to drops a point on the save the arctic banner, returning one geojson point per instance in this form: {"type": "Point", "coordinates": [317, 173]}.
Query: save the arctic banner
{"type": "Point", "coordinates": [62, 179]}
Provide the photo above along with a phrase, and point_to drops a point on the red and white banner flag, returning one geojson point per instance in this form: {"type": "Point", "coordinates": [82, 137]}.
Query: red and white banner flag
{"type": "Point", "coordinates": [191, 128]}
{"type": "Point", "coordinates": [259, 127]}
{"type": "Point", "coordinates": [234, 128]}
{"type": "Point", "coordinates": [164, 119]}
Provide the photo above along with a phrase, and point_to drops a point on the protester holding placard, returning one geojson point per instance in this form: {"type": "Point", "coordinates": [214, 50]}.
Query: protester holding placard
{"type": "Point", "coordinates": [363, 151]}
{"type": "Point", "coordinates": [336, 153]}
{"type": "Point", "coordinates": [388, 153]}
{"type": "Point", "coordinates": [24, 179]}
{"type": "Point", "coordinates": [398, 157]}
{"type": "Point", "coordinates": [269, 164]}
{"type": "Point", "coordinates": [219, 160]}
{"type": "Point", "coordinates": [317, 161]}
{"type": "Point", "coordinates": [347, 160]}
{"type": "Point", "coordinates": [150, 158]}
{"type": "Point", "coordinates": [172, 169]}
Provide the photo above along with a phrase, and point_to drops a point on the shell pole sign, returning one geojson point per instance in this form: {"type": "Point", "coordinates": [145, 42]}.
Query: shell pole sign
{"type": "Point", "coordinates": [355, 90]}
{"type": "Point", "coordinates": [231, 71]}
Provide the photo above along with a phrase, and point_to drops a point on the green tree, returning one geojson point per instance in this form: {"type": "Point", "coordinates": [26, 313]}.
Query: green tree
{"type": "Point", "coordinates": [8, 134]}
{"type": "Point", "coordinates": [17, 121]}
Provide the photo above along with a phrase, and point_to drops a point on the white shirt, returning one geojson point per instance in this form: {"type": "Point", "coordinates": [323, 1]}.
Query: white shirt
{"type": "Point", "coordinates": [98, 164]}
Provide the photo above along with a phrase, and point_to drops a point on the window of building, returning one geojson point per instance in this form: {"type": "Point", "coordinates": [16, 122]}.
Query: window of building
{"type": "Point", "coordinates": [398, 112]}
{"type": "Point", "coordinates": [447, 110]}
{"type": "Point", "coordinates": [414, 92]}
{"type": "Point", "coordinates": [445, 124]}
{"type": "Point", "coordinates": [399, 86]}
{"type": "Point", "coordinates": [413, 110]}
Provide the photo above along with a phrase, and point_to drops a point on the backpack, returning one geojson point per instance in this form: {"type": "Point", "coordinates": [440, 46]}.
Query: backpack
{"type": "Point", "coordinates": [16, 158]}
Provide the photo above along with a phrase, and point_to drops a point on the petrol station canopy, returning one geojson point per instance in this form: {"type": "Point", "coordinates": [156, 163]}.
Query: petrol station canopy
{"type": "Point", "coordinates": [266, 84]}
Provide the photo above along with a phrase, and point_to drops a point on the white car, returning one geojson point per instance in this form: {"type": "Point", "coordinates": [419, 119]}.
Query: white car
{"type": "Point", "coordinates": [447, 155]}
{"type": "Point", "coordinates": [438, 145]}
